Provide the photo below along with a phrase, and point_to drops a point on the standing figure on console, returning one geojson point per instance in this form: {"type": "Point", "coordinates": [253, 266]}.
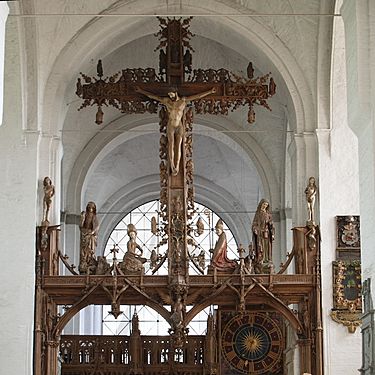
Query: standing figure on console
{"type": "Point", "coordinates": [263, 233]}
{"type": "Point", "coordinates": [49, 192]}
{"type": "Point", "coordinates": [310, 192]}
{"type": "Point", "coordinates": [132, 261]}
{"type": "Point", "coordinates": [89, 227]}
{"type": "Point", "coordinates": [219, 258]}
{"type": "Point", "coordinates": [175, 106]}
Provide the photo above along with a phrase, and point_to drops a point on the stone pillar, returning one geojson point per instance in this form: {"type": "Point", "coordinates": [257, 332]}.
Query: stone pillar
{"type": "Point", "coordinates": [359, 24]}
{"type": "Point", "coordinates": [18, 219]}
{"type": "Point", "coordinates": [4, 11]}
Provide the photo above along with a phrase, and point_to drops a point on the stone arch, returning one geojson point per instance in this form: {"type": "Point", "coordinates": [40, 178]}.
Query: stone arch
{"type": "Point", "coordinates": [247, 35]}
{"type": "Point", "coordinates": [99, 35]}
{"type": "Point", "coordinates": [99, 146]}
{"type": "Point", "coordinates": [146, 188]}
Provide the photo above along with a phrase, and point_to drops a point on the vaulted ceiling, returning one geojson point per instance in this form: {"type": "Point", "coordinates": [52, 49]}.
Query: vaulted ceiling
{"type": "Point", "coordinates": [116, 164]}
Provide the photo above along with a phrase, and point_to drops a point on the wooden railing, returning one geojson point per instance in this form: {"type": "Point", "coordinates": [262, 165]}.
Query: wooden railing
{"type": "Point", "coordinates": [110, 355]}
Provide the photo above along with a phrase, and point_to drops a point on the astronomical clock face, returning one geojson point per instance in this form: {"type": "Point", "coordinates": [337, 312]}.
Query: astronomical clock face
{"type": "Point", "coordinates": [252, 344]}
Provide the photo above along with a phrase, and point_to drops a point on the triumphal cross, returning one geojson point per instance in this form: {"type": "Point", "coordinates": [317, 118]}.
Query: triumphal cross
{"type": "Point", "coordinates": [179, 91]}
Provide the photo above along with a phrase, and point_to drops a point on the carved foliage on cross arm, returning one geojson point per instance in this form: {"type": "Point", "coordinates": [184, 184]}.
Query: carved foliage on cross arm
{"type": "Point", "coordinates": [163, 153]}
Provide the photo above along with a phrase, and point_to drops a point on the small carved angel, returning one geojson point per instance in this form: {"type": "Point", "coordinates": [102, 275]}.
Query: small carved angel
{"type": "Point", "coordinates": [79, 87]}
{"type": "Point", "coordinates": [250, 71]}
{"type": "Point", "coordinates": [163, 147]}
{"type": "Point", "coordinates": [189, 171]}
{"type": "Point", "coordinates": [200, 226]}
{"type": "Point", "coordinates": [189, 146]}
{"type": "Point", "coordinates": [201, 259]}
{"type": "Point", "coordinates": [153, 259]}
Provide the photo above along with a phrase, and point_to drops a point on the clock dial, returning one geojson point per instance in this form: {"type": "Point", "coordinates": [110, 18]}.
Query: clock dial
{"type": "Point", "coordinates": [252, 343]}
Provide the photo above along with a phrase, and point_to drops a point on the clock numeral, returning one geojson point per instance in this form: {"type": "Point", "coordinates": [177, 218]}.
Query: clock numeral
{"type": "Point", "coordinates": [250, 366]}
{"type": "Point", "coordinates": [275, 333]}
{"type": "Point", "coordinates": [260, 319]}
{"type": "Point", "coordinates": [273, 355]}
{"type": "Point", "coordinates": [250, 319]}
{"type": "Point", "coordinates": [228, 349]}
{"type": "Point", "coordinates": [241, 364]}
{"type": "Point", "coordinates": [231, 355]}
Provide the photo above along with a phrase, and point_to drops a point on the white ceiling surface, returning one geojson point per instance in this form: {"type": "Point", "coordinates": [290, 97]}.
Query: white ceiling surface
{"type": "Point", "coordinates": [243, 160]}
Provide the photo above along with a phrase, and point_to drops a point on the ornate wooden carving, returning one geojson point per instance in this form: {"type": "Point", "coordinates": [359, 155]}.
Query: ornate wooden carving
{"type": "Point", "coordinates": [240, 291]}
{"type": "Point", "coordinates": [113, 355]}
{"type": "Point", "coordinates": [175, 72]}
{"type": "Point", "coordinates": [245, 290]}
{"type": "Point", "coordinates": [347, 297]}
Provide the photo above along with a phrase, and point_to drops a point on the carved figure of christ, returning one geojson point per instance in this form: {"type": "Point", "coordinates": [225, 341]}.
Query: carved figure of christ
{"type": "Point", "coordinates": [175, 106]}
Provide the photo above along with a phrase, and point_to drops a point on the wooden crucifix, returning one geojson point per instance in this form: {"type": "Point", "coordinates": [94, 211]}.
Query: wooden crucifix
{"type": "Point", "coordinates": [177, 84]}
{"type": "Point", "coordinates": [175, 107]}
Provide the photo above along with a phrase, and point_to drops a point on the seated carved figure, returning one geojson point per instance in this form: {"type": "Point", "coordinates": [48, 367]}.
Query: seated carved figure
{"type": "Point", "coordinates": [219, 258]}
{"type": "Point", "coordinates": [132, 261]}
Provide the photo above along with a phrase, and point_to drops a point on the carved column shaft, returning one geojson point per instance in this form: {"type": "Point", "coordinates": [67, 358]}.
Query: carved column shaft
{"type": "Point", "coordinates": [51, 357]}
{"type": "Point", "coordinates": [38, 327]}
{"type": "Point", "coordinates": [305, 355]}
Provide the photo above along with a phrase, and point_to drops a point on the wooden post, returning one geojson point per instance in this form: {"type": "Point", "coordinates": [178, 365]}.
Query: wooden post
{"type": "Point", "coordinates": [305, 355]}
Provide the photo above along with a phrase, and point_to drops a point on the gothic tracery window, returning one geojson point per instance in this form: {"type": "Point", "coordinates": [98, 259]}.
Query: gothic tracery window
{"type": "Point", "coordinates": [150, 322]}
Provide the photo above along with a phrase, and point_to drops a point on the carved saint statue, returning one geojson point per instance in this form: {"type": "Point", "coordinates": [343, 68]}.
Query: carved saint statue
{"type": "Point", "coordinates": [211, 346]}
{"type": "Point", "coordinates": [263, 232]}
{"type": "Point", "coordinates": [219, 257]}
{"type": "Point", "coordinates": [135, 343]}
{"type": "Point", "coordinates": [49, 192]}
{"type": "Point", "coordinates": [310, 192]}
{"type": "Point", "coordinates": [177, 316]}
{"type": "Point", "coordinates": [89, 227]}
{"type": "Point", "coordinates": [175, 106]}
{"type": "Point", "coordinates": [133, 261]}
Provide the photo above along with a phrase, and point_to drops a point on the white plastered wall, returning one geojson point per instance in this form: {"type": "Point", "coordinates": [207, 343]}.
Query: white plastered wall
{"type": "Point", "coordinates": [338, 195]}
{"type": "Point", "coordinates": [18, 196]}
{"type": "Point", "coordinates": [359, 22]}
{"type": "Point", "coordinates": [295, 65]}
